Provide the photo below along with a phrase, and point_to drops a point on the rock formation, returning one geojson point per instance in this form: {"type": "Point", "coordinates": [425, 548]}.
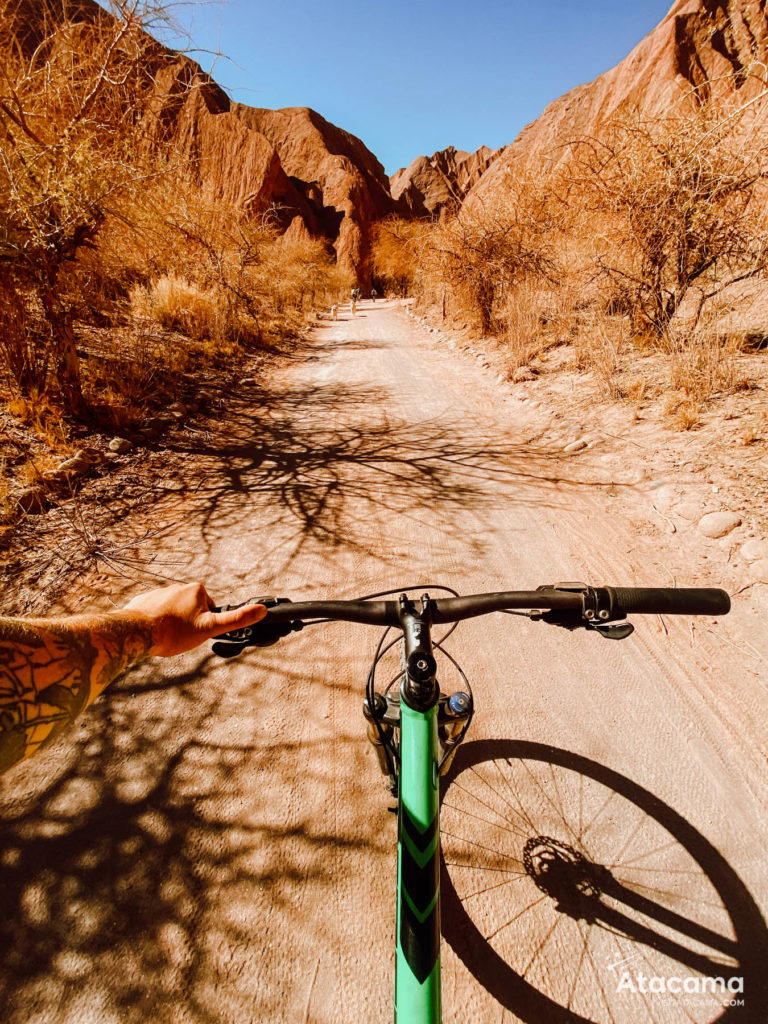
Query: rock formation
{"type": "Point", "coordinates": [292, 164]}
{"type": "Point", "coordinates": [703, 45]}
{"type": "Point", "coordinates": [431, 184]}
{"type": "Point", "coordinates": [316, 178]}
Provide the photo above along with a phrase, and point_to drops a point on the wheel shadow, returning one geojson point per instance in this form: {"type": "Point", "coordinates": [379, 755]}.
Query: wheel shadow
{"type": "Point", "coordinates": [585, 899]}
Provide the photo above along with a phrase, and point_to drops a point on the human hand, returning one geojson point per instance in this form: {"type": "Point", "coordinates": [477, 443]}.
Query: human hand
{"type": "Point", "coordinates": [180, 617]}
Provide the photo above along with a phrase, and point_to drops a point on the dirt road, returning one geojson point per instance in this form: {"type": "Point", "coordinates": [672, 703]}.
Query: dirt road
{"type": "Point", "coordinates": [215, 846]}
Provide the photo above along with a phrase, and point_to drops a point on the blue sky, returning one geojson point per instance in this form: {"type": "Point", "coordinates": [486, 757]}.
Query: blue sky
{"type": "Point", "coordinates": [414, 77]}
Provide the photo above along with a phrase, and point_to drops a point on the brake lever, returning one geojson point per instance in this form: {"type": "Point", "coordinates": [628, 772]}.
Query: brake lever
{"type": "Point", "coordinates": [595, 612]}
{"type": "Point", "coordinates": [261, 634]}
{"type": "Point", "coordinates": [572, 620]}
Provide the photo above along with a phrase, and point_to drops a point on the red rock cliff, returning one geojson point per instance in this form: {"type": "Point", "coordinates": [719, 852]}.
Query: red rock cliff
{"type": "Point", "coordinates": [431, 184]}
{"type": "Point", "coordinates": [701, 44]}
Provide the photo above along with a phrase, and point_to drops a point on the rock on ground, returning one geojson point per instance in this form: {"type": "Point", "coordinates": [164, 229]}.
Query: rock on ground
{"type": "Point", "coordinates": [717, 524]}
{"type": "Point", "coordinates": [121, 445]}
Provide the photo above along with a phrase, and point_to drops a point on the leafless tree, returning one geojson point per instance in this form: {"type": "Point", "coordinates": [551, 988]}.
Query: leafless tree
{"type": "Point", "coordinates": [74, 80]}
{"type": "Point", "coordinates": [677, 204]}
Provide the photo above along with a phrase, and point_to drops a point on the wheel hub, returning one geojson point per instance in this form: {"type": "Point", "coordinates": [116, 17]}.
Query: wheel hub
{"type": "Point", "coordinates": [564, 874]}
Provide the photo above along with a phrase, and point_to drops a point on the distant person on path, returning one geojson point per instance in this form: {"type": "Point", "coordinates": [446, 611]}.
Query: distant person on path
{"type": "Point", "coordinates": [52, 669]}
{"type": "Point", "coordinates": [373, 294]}
{"type": "Point", "coordinates": [334, 311]}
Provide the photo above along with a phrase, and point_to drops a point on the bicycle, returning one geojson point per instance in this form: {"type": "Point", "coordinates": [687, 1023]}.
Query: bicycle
{"type": "Point", "coordinates": [416, 730]}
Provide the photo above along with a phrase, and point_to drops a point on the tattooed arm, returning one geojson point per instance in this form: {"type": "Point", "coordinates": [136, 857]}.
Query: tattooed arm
{"type": "Point", "coordinates": [51, 669]}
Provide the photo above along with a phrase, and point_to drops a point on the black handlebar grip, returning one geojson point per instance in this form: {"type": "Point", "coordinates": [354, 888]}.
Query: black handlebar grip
{"type": "Point", "coordinates": [668, 601]}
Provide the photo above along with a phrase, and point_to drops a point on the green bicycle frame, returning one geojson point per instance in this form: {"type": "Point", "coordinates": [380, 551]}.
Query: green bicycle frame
{"type": "Point", "coordinates": [417, 965]}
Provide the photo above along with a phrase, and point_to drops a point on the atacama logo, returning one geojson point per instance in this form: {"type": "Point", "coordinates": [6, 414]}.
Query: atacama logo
{"type": "Point", "coordinates": [636, 981]}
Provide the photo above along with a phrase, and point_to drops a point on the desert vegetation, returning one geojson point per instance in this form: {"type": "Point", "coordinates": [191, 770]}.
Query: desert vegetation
{"type": "Point", "coordinates": [634, 244]}
{"type": "Point", "coordinates": [118, 269]}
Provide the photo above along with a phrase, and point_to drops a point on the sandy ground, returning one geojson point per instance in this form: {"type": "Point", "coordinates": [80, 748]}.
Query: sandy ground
{"type": "Point", "coordinates": [212, 844]}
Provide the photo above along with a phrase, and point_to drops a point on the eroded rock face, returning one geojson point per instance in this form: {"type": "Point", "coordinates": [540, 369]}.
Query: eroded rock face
{"type": "Point", "coordinates": [700, 44]}
{"type": "Point", "coordinates": [291, 162]}
{"type": "Point", "coordinates": [340, 180]}
{"type": "Point", "coordinates": [431, 184]}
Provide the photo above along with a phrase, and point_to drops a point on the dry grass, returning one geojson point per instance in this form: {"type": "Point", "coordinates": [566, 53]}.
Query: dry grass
{"type": "Point", "coordinates": [754, 429]}
{"type": "Point", "coordinates": [681, 412]}
{"type": "Point", "coordinates": [704, 364]}
{"type": "Point", "coordinates": [531, 321]}
{"type": "Point", "coordinates": [44, 418]}
{"type": "Point", "coordinates": [599, 347]}
{"type": "Point", "coordinates": [179, 305]}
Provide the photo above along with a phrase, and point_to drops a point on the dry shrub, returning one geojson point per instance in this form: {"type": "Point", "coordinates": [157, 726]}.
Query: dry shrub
{"type": "Point", "coordinates": [179, 305]}
{"type": "Point", "coordinates": [676, 201]}
{"type": "Point", "coordinates": [394, 250]}
{"type": "Point", "coordinates": [534, 318]}
{"type": "Point", "coordinates": [72, 87]}
{"type": "Point", "coordinates": [292, 277]}
{"type": "Point", "coordinates": [36, 410]}
{"type": "Point", "coordinates": [703, 364]}
{"type": "Point", "coordinates": [143, 372]}
{"type": "Point", "coordinates": [488, 249]}
{"type": "Point", "coordinates": [24, 354]}
{"type": "Point", "coordinates": [231, 278]}
{"type": "Point", "coordinates": [681, 411]}
{"type": "Point", "coordinates": [600, 348]}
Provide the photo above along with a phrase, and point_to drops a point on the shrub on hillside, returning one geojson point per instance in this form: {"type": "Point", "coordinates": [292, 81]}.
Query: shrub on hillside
{"type": "Point", "coordinates": [676, 203]}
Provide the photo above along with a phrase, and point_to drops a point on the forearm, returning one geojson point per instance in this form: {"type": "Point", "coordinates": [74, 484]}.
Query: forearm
{"type": "Point", "coordinates": [51, 669]}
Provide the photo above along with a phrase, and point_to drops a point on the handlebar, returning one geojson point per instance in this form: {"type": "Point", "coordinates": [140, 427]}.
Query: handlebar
{"type": "Point", "coordinates": [669, 601]}
{"type": "Point", "coordinates": [571, 605]}
{"type": "Point", "coordinates": [386, 613]}
{"type": "Point", "coordinates": [623, 601]}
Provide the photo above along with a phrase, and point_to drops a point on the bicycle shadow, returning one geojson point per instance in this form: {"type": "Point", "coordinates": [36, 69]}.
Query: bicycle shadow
{"type": "Point", "coordinates": [597, 908]}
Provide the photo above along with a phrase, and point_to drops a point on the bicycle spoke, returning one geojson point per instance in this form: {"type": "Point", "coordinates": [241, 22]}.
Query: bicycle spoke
{"type": "Point", "coordinates": [597, 878]}
{"type": "Point", "coordinates": [515, 918]}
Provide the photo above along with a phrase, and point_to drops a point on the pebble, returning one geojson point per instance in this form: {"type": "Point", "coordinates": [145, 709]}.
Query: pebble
{"type": "Point", "coordinates": [717, 524]}
{"type": "Point", "coordinates": [754, 549]}
{"type": "Point", "coordinates": [121, 445]}
{"type": "Point", "coordinates": [759, 570]}
{"type": "Point", "coordinates": [575, 446]}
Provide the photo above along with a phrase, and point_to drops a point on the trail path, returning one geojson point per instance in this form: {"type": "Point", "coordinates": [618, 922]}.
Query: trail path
{"type": "Point", "coordinates": [215, 846]}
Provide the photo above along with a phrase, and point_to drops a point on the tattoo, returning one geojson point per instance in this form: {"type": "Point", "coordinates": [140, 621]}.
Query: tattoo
{"type": "Point", "coordinates": [51, 669]}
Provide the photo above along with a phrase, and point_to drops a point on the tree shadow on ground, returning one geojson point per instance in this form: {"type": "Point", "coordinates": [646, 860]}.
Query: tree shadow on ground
{"type": "Point", "coordinates": [137, 880]}
{"type": "Point", "coordinates": [335, 479]}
